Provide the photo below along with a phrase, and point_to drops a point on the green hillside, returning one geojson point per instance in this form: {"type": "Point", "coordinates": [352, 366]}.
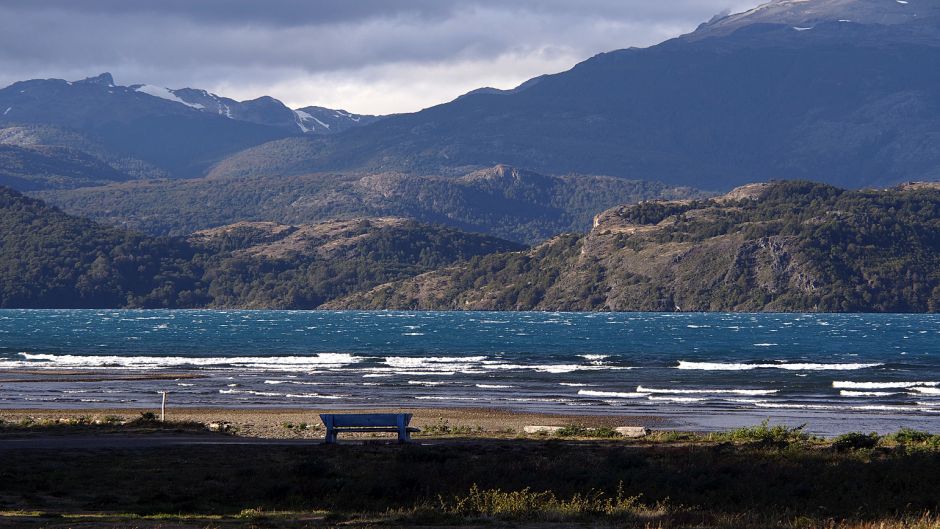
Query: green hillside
{"type": "Point", "coordinates": [54, 260]}
{"type": "Point", "coordinates": [790, 246]}
{"type": "Point", "coordinates": [502, 201]}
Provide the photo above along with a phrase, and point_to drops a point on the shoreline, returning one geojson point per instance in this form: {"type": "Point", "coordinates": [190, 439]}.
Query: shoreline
{"type": "Point", "coordinates": [304, 423]}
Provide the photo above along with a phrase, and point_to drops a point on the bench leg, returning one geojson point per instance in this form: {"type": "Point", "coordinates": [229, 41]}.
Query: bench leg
{"type": "Point", "coordinates": [403, 436]}
{"type": "Point", "coordinates": [330, 436]}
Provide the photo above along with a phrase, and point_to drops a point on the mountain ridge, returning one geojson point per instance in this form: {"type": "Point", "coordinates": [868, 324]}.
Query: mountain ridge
{"type": "Point", "coordinates": [180, 133]}
{"type": "Point", "coordinates": [844, 103]}
{"type": "Point", "coordinates": [55, 260]}
{"type": "Point", "coordinates": [778, 247]}
{"type": "Point", "coordinates": [506, 202]}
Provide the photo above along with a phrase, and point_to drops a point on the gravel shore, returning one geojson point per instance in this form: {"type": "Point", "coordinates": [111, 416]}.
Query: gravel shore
{"type": "Point", "coordinates": [295, 423]}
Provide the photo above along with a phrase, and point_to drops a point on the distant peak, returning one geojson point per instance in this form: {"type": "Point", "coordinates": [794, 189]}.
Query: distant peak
{"type": "Point", "coordinates": [808, 13]}
{"type": "Point", "coordinates": [105, 79]}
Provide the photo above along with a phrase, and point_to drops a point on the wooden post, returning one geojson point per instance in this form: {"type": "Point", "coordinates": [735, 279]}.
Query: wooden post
{"type": "Point", "coordinates": [163, 407]}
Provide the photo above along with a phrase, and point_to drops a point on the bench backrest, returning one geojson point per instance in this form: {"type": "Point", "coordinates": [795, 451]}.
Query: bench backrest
{"type": "Point", "coordinates": [365, 420]}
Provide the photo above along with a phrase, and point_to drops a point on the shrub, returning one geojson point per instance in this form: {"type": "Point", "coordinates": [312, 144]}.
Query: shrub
{"type": "Point", "coordinates": [856, 441]}
{"type": "Point", "coordinates": [669, 436]}
{"type": "Point", "coordinates": [443, 427]}
{"type": "Point", "coordinates": [147, 417]}
{"type": "Point", "coordinates": [909, 436]}
{"type": "Point", "coordinates": [581, 431]}
{"type": "Point", "coordinates": [113, 419]}
{"type": "Point", "coordinates": [766, 434]}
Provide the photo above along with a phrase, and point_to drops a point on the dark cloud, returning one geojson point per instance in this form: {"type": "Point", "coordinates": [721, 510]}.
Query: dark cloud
{"type": "Point", "coordinates": [316, 12]}
{"type": "Point", "coordinates": [368, 55]}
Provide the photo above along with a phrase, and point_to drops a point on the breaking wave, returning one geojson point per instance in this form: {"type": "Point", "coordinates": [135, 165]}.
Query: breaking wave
{"type": "Point", "coordinates": [722, 366]}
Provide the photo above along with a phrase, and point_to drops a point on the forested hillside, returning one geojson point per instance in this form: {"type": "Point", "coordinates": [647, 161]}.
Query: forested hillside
{"type": "Point", "coordinates": [50, 167]}
{"type": "Point", "coordinates": [790, 246]}
{"type": "Point", "coordinates": [50, 259]}
{"type": "Point", "coordinates": [53, 260]}
{"type": "Point", "coordinates": [787, 246]}
{"type": "Point", "coordinates": [502, 201]}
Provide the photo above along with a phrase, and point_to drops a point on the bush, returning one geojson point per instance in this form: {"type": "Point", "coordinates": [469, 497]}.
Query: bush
{"type": "Point", "coordinates": [147, 417]}
{"type": "Point", "coordinates": [856, 441]}
{"type": "Point", "coordinates": [909, 436]}
{"type": "Point", "coordinates": [443, 427]}
{"type": "Point", "coordinates": [766, 434]}
{"type": "Point", "coordinates": [113, 419]}
{"type": "Point", "coordinates": [580, 431]}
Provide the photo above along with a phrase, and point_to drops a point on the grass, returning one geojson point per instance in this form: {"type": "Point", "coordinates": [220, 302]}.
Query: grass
{"type": "Point", "coordinates": [443, 428]}
{"type": "Point", "coordinates": [526, 505]}
{"type": "Point", "coordinates": [763, 476]}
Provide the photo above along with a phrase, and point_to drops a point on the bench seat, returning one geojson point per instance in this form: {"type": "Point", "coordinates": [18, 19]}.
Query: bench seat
{"type": "Point", "coordinates": [392, 429]}
{"type": "Point", "coordinates": [368, 423]}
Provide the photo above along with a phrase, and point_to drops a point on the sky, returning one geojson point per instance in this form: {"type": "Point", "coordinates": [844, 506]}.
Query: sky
{"type": "Point", "coordinates": [365, 56]}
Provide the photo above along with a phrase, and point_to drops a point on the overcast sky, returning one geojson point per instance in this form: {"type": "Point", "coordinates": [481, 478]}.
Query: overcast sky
{"type": "Point", "coordinates": [366, 56]}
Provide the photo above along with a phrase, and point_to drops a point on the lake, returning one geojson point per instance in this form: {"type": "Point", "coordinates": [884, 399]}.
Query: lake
{"type": "Point", "coordinates": [701, 371]}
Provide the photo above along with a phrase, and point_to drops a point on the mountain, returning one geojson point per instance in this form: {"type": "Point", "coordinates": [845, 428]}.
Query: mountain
{"type": "Point", "coordinates": [807, 14]}
{"type": "Point", "coordinates": [321, 120]}
{"type": "Point", "coordinates": [840, 91]}
{"type": "Point", "coordinates": [786, 246]}
{"type": "Point", "coordinates": [503, 201]}
{"type": "Point", "coordinates": [263, 111]}
{"type": "Point", "coordinates": [54, 260]}
{"type": "Point", "coordinates": [181, 133]}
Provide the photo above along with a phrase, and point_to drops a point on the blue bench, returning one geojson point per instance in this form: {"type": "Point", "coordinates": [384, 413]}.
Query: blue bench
{"type": "Point", "coordinates": [368, 423]}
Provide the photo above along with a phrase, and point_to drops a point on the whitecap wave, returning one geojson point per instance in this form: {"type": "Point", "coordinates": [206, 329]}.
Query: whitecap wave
{"type": "Point", "coordinates": [314, 396]}
{"type": "Point", "coordinates": [250, 392]}
{"type": "Point", "coordinates": [850, 393]}
{"type": "Point", "coordinates": [557, 369]}
{"type": "Point", "coordinates": [754, 392]}
{"type": "Point", "coordinates": [677, 399]}
{"type": "Point", "coordinates": [434, 397]}
{"type": "Point", "coordinates": [727, 366]}
{"type": "Point", "coordinates": [613, 394]}
{"type": "Point", "coordinates": [273, 363]}
{"type": "Point", "coordinates": [844, 384]}
{"type": "Point", "coordinates": [828, 407]}
{"type": "Point", "coordinates": [493, 386]}
{"type": "Point", "coordinates": [433, 362]}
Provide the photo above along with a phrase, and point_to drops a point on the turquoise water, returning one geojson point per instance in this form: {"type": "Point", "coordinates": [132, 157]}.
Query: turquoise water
{"type": "Point", "coordinates": [836, 372]}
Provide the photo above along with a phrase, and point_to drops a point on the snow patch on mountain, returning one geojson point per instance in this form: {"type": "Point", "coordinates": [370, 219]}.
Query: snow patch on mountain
{"type": "Point", "coordinates": [304, 119]}
{"type": "Point", "coordinates": [301, 118]}
{"type": "Point", "coordinates": [166, 93]}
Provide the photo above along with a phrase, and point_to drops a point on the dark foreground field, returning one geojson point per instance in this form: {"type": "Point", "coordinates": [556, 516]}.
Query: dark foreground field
{"type": "Point", "coordinates": [737, 483]}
